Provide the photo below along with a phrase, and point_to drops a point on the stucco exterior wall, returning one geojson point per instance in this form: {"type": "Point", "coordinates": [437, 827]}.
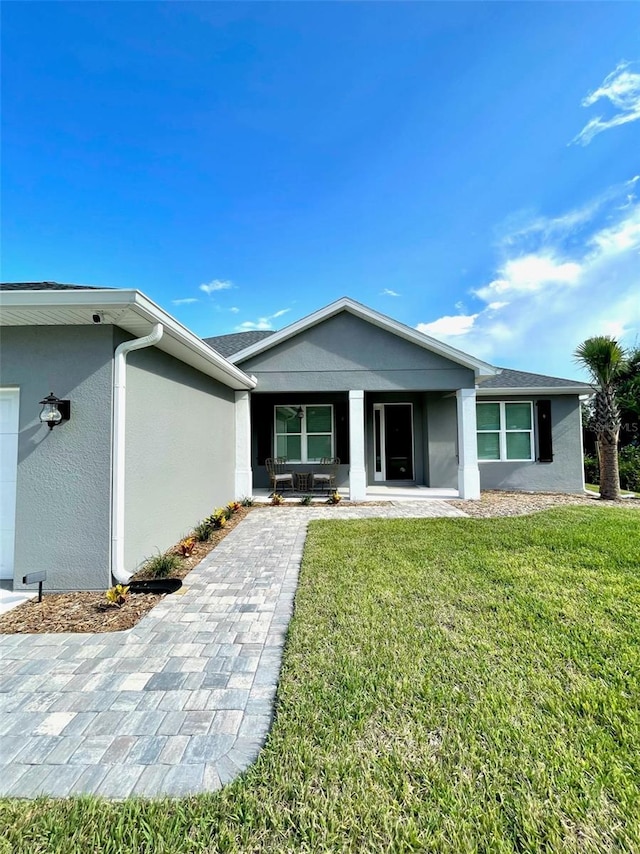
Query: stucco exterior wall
{"type": "Point", "coordinates": [345, 352]}
{"type": "Point", "coordinates": [442, 428]}
{"type": "Point", "coordinates": [564, 474]}
{"type": "Point", "coordinates": [63, 484]}
{"type": "Point", "coordinates": [180, 451]}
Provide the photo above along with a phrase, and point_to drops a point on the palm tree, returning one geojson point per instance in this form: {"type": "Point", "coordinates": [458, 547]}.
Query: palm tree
{"type": "Point", "coordinates": [605, 360]}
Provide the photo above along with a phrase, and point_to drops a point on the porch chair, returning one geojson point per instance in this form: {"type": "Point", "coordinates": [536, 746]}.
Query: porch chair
{"type": "Point", "coordinates": [325, 477]}
{"type": "Point", "coordinates": [278, 476]}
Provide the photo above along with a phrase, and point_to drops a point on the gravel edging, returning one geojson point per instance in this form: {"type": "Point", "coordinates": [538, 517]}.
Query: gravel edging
{"type": "Point", "coordinates": [499, 503]}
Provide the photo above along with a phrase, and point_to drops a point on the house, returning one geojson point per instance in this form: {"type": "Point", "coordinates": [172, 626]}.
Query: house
{"type": "Point", "coordinates": [397, 406]}
{"type": "Point", "coordinates": [163, 425]}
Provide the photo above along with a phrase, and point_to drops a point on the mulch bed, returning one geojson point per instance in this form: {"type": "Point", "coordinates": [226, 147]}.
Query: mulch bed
{"type": "Point", "coordinates": [90, 611]}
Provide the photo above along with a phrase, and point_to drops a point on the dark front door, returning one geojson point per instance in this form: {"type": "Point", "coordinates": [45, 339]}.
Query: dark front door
{"type": "Point", "coordinates": [393, 431]}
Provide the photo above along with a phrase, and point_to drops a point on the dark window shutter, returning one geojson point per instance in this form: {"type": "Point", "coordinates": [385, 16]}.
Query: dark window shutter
{"type": "Point", "coordinates": [545, 440]}
{"type": "Point", "coordinates": [341, 415]}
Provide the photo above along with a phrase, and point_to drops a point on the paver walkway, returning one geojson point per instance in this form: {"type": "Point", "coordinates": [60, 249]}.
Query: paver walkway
{"type": "Point", "coordinates": [181, 703]}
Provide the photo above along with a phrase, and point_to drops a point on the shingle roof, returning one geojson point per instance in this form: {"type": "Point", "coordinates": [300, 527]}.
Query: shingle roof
{"type": "Point", "coordinates": [45, 286]}
{"type": "Point", "coordinates": [523, 379]}
{"type": "Point", "coordinates": [227, 345]}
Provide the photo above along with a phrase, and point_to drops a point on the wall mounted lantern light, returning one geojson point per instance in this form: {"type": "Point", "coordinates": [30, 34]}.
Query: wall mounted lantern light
{"type": "Point", "coordinates": [54, 411]}
{"type": "Point", "coordinates": [300, 413]}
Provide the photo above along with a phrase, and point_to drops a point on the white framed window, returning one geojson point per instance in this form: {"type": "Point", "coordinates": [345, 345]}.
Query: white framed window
{"type": "Point", "coordinates": [304, 434]}
{"type": "Point", "coordinates": [505, 431]}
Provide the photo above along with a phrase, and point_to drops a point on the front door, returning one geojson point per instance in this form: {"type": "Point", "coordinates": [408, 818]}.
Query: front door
{"type": "Point", "coordinates": [393, 441]}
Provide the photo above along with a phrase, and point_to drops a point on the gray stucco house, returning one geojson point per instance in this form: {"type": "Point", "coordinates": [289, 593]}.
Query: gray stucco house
{"type": "Point", "coordinates": [164, 425]}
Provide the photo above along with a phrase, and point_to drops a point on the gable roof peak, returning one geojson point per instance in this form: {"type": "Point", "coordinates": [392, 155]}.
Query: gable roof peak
{"type": "Point", "coordinates": [479, 367]}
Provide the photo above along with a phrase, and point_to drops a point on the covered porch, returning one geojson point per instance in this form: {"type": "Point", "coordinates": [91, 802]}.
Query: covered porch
{"type": "Point", "coordinates": [391, 445]}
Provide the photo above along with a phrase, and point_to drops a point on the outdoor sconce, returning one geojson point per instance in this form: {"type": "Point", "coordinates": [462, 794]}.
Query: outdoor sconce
{"type": "Point", "coordinates": [54, 410]}
{"type": "Point", "coordinates": [300, 413]}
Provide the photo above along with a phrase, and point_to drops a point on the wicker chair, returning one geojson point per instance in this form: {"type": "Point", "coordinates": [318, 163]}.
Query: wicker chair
{"type": "Point", "coordinates": [325, 477]}
{"type": "Point", "coordinates": [279, 478]}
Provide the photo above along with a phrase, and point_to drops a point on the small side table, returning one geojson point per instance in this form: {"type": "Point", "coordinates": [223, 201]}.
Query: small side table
{"type": "Point", "coordinates": [304, 481]}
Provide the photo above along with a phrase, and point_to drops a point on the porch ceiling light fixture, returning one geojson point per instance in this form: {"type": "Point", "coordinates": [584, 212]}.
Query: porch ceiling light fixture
{"type": "Point", "coordinates": [54, 411]}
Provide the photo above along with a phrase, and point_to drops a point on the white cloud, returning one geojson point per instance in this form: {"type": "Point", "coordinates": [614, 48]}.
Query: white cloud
{"type": "Point", "coordinates": [448, 327]}
{"type": "Point", "coordinates": [549, 294]}
{"type": "Point", "coordinates": [387, 292]}
{"type": "Point", "coordinates": [622, 89]}
{"type": "Point", "coordinates": [621, 236]}
{"type": "Point", "coordinates": [529, 273]}
{"type": "Point", "coordinates": [185, 301]}
{"type": "Point", "coordinates": [234, 309]}
{"type": "Point", "coordinates": [216, 285]}
{"type": "Point", "coordinates": [262, 323]}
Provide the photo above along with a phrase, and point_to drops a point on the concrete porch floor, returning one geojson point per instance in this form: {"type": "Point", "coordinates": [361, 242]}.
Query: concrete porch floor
{"type": "Point", "coordinates": [380, 492]}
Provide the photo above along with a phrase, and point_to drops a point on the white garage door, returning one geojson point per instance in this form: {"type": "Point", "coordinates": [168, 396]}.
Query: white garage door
{"type": "Point", "coordinates": [8, 474]}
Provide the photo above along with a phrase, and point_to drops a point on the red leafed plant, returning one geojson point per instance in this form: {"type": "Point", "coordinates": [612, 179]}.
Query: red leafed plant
{"type": "Point", "coordinates": [187, 546]}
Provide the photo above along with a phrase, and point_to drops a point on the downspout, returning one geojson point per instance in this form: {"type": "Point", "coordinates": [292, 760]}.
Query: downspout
{"type": "Point", "coordinates": [118, 447]}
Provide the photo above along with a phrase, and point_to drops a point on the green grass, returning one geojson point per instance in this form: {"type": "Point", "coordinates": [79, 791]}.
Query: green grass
{"type": "Point", "coordinates": [593, 487]}
{"type": "Point", "coordinates": [449, 685]}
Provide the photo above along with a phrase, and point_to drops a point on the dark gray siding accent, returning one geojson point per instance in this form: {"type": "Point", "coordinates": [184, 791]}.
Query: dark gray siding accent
{"type": "Point", "coordinates": [64, 484]}
{"type": "Point", "coordinates": [442, 424]}
{"type": "Point", "coordinates": [564, 474]}
{"type": "Point", "coordinates": [180, 451]}
{"type": "Point", "coordinates": [262, 428]}
{"type": "Point", "coordinates": [345, 352]}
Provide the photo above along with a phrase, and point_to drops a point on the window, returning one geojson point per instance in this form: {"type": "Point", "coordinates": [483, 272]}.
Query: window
{"type": "Point", "coordinates": [304, 434]}
{"type": "Point", "coordinates": [505, 431]}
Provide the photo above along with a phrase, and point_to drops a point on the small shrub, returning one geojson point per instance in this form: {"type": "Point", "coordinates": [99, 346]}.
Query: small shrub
{"type": "Point", "coordinates": [591, 469]}
{"type": "Point", "coordinates": [162, 564]}
{"type": "Point", "coordinates": [117, 595]}
{"type": "Point", "coordinates": [277, 499]}
{"type": "Point", "coordinates": [247, 501]}
{"type": "Point", "coordinates": [306, 500]}
{"type": "Point", "coordinates": [629, 465]}
{"type": "Point", "coordinates": [233, 507]}
{"type": "Point", "coordinates": [218, 518]}
{"type": "Point", "coordinates": [334, 498]}
{"type": "Point", "coordinates": [186, 546]}
{"type": "Point", "coordinates": [202, 531]}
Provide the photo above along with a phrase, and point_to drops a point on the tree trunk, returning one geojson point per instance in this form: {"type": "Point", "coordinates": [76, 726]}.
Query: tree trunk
{"type": "Point", "coordinates": [609, 474]}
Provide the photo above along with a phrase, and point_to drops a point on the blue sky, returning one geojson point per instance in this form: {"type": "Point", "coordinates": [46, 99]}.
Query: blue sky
{"type": "Point", "coordinates": [470, 169]}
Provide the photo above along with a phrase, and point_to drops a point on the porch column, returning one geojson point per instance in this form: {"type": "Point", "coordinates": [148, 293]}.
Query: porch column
{"type": "Point", "coordinates": [357, 471]}
{"type": "Point", "coordinates": [243, 473]}
{"type": "Point", "coordinates": [468, 472]}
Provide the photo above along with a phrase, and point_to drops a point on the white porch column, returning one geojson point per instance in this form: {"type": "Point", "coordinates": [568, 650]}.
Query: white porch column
{"type": "Point", "coordinates": [357, 471]}
{"type": "Point", "coordinates": [468, 472]}
{"type": "Point", "coordinates": [243, 474]}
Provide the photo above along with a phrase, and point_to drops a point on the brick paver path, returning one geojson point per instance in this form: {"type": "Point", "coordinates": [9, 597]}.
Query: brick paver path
{"type": "Point", "coordinates": [181, 703]}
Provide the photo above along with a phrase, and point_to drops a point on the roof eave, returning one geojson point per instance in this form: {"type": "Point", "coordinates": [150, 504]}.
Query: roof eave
{"type": "Point", "coordinates": [533, 390]}
{"type": "Point", "coordinates": [111, 300]}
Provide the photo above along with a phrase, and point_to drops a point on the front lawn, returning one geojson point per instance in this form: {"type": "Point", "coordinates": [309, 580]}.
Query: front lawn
{"type": "Point", "coordinates": [449, 685]}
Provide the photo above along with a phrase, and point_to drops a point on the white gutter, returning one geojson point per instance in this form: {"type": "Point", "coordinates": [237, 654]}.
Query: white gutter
{"type": "Point", "coordinates": [118, 447]}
